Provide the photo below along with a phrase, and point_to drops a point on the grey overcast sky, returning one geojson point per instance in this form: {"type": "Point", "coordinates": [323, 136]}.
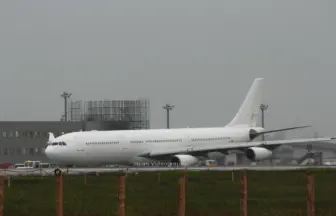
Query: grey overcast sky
{"type": "Point", "coordinates": [200, 55]}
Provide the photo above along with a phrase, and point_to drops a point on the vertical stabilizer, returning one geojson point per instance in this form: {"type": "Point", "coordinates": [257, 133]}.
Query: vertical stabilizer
{"type": "Point", "coordinates": [249, 110]}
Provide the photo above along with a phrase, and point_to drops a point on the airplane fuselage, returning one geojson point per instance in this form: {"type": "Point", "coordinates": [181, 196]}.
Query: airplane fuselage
{"type": "Point", "coordinates": [123, 147]}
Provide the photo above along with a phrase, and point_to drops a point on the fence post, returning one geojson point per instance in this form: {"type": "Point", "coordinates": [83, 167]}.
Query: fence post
{"type": "Point", "coordinates": [9, 181]}
{"type": "Point", "coordinates": [158, 177]}
{"type": "Point", "coordinates": [243, 201]}
{"type": "Point", "coordinates": [59, 195]}
{"type": "Point", "coordinates": [185, 180]}
{"type": "Point", "coordinates": [121, 195]}
{"type": "Point", "coordinates": [233, 175]}
{"type": "Point", "coordinates": [182, 194]}
{"type": "Point", "coordinates": [2, 194]}
{"type": "Point", "coordinates": [310, 195]}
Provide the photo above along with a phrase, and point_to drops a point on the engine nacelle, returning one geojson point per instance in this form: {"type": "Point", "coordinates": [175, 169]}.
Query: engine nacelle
{"type": "Point", "coordinates": [184, 160]}
{"type": "Point", "coordinates": [258, 154]}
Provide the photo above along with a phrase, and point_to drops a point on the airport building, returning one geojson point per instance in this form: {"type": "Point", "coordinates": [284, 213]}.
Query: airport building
{"type": "Point", "coordinates": [26, 140]}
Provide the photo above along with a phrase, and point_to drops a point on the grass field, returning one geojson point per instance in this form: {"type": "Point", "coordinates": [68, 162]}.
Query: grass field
{"type": "Point", "coordinates": [209, 193]}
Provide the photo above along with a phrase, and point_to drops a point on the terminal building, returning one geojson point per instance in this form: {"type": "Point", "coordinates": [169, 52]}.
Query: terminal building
{"type": "Point", "coordinates": [26, 140]}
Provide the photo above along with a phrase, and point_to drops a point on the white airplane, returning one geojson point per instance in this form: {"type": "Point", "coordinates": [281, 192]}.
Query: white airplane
{"type": "Point", "coordinates": [183, 146]}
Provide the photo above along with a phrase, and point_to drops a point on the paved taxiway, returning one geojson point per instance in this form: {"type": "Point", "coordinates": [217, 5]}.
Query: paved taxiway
{"type": "Point", "coordinates": [81, 171]}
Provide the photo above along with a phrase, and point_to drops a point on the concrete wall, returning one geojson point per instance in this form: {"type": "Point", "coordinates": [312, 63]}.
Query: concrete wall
{"type": "Point", "coordinates": [26, 140]}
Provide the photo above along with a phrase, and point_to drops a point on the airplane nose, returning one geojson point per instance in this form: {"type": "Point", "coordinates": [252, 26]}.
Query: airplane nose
{"type": "Point", "coordinates": [47, 151]}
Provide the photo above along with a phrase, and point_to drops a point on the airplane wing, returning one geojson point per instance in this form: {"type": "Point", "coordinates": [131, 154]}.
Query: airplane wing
{"type": "Point", "coordinates": [282, 129]}
{"type": "Point", "coordinates": [254, 134]}
{"type": "Point", "coordinates": [195, 151]}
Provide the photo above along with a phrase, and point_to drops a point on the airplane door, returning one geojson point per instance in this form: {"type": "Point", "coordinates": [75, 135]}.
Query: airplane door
{"type": "Point", "coordinates": [189, 141]}
{"type": "Point", "coordinates": [189, 145]}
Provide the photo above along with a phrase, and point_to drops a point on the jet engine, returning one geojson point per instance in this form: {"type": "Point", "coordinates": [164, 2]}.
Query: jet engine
{"type": "Point", "coordinates": [258, 154]}
{"type": "Point", "coordinates": [184, 160]}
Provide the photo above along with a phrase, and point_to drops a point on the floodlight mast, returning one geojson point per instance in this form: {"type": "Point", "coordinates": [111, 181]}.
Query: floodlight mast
{"type": "Point", "coordinates": [263, 108]}
{"type": "Point", "coordinates": [66, 96]}
{"type": "Point", "coordinates": [168, 108]}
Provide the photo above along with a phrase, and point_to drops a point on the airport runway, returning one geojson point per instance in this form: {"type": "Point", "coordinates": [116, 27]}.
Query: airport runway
{"type": "Point", "coordinates": [81, 171]}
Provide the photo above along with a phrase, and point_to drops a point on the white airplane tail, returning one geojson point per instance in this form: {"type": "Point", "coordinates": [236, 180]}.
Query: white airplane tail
{"type": "Point", "coordinates": [249, 110]}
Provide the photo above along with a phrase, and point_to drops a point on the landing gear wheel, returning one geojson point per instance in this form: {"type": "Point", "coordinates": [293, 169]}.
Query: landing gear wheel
{"type": "Point", "coordinates": [58, 172]}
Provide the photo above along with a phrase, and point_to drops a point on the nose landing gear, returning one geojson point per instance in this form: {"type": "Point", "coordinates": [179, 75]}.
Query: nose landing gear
{"type": "Point", "coordinates": [58, 172]}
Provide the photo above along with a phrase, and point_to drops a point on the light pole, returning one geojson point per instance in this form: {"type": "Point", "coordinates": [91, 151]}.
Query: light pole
{"type": "Point", "coordinates": [168, 108]}
{"type": "Point", "coordinates": [263, 108]}
{"type": "Point", "coordinates": [66, 95]}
